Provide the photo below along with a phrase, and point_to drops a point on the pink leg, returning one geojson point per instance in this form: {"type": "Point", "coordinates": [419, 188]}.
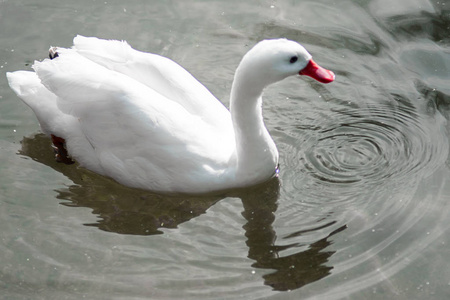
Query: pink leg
{"type": "Point", "coordinates": [61, 154]}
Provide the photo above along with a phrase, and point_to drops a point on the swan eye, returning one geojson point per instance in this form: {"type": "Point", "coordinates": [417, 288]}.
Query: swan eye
{"type": "Point", "coordinates": [293, 59]}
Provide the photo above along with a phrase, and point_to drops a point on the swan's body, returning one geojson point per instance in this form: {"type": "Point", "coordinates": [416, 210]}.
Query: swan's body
{"type": "Point", "coordinates": [146, 122]}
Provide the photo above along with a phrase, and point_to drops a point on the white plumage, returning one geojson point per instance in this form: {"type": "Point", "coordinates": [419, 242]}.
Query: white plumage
{"type": "Point", "coordinates": [146, 122]}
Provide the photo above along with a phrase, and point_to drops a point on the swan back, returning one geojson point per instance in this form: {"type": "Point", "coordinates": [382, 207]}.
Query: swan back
{"type": "Point", "coordinates": [159, 73]}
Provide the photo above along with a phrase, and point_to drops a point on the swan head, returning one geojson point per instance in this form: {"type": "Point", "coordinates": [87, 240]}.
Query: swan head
{"type": "Point", "coordinates": [270, 61]}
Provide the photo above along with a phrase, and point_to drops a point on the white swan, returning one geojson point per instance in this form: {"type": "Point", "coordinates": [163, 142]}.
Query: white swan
{"type": "Point", "coordinates": [144, 121]}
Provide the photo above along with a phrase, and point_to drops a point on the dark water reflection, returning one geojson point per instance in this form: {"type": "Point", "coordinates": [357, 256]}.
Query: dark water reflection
{"type": "Point", "coordinates": [120, 209]}
{"type": "Point", "coordinates": [129, 211]}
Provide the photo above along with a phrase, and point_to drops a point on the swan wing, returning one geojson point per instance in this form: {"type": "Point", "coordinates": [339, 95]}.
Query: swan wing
{"type": "Point", "coordinates": [157, 72]}
{"type": "Point", "coordinates": [140, 137]}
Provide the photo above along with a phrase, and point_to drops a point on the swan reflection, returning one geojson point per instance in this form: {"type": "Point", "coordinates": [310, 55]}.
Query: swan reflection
{"type": "Point", "coordinates": [130, 211]}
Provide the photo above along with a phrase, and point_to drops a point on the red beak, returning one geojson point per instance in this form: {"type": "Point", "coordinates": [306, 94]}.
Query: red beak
{"type": "Point", "coordinates": [317, 72]}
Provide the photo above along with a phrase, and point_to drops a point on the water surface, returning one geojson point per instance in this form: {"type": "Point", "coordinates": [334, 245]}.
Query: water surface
{"type": "Point", "coordinates": [360, 209]}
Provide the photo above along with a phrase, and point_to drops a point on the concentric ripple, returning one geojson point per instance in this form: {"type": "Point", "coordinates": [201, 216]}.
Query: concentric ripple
{"type": "Point", "coordinates": [351, 176]}
{"type": "Point", "coordinates": [358, 148]}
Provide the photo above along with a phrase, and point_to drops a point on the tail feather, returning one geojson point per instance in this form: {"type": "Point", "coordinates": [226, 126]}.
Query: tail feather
{"type": "Point", "coordinates": [29, 88]}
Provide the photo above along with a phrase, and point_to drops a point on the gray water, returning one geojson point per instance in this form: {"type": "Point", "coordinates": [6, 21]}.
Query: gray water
{"type": "Point", "coordinates": [360, 209]}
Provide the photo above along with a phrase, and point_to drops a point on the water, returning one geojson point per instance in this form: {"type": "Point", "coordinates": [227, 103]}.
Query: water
{"type": "Point", "coordinates": [360, 209]}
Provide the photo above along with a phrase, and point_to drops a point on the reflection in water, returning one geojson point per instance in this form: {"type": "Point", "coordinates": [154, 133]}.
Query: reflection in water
{"type": "Point", "coordinates": [129, 211]}
{"type": "Point", "coordinates": [120, 209]}
{"type": "Point", "coordinates": [292, 271]}
{"type": "Point", "coordinates": [301, 268]}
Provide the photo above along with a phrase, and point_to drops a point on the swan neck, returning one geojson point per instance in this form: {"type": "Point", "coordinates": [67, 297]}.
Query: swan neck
{"type": "Point", "coordinates": [256, 153]}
